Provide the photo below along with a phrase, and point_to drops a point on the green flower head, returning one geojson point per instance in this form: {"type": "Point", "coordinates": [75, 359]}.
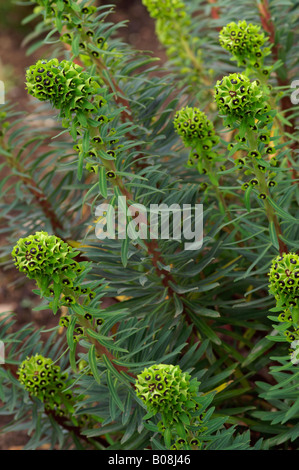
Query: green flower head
{"type": "Point", "coordinates": [244, 41]}
{"type": "Point", "coordinates": [171, 9]}
{"type": "Point", "coordinates": [195, 129]}
{"type": "Point", "coordinates": [64, 84]}
{"type": "Point", "coordinates": [166, 389]}
{"type": "Point", "coordinates": [284, 279]}
{"type": "Point", "coordinates": [172, 25]}
{"type": "Point", "coordinates": [237, 96]}
{"type": "Point", "coordinates": [42, 254]}
{"type": "Point", "coordinates": [41, 377]}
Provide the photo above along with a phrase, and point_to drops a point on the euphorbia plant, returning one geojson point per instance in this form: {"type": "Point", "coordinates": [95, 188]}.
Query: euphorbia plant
{"type": "Point", "coordinates": [176, 360]}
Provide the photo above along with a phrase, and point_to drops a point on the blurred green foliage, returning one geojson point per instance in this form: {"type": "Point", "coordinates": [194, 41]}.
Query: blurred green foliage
{"type": "Point", "coordinates": [11, 16]}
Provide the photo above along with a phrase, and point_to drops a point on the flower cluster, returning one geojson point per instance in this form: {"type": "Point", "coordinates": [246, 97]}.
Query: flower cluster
{"type": "Point", "coordinates": [244, 104]}
{"type": "Point", "coordinates": [198, 132]}
{"type": "Point", "coordinates": [284, 279]}
{"type": "Point", "coordinates": [61, 9]}
{"type": "Point", "coordinates": [173, 30]}
{"type": "Point", "coordinates": [50, 262]}
{"type": "Point", "coordinates": [43, 379]}
{"type": "Point", "coordinates": [256, 160]}
{"type": "Point", "coordinates": [167, 390]}
{"type": "Point", "coordinates": [42, 254]}
{"type": "Point", "coordinates": [195, 129]}
{"type": "Point", "coordinates": [245, 42]}
{"type": "Point", "coordinates": [78, 331]}
{"type": "Point", "coordinates": [64, 84]}
{"type": "Point", "coordinates": [289, 318]}
{"type": "Point", "coordinates": [171, 9]}
{"type": "Point", "coordinates": [284, 285]}
{"type": "Point", "coordinates": [74, 21]}
{"type": "Point", "coordinates": [170, 14]}
{"type": "Point", "coordinates": [237, 97]}
{"type": "Point", "coordinates": [77, 95]}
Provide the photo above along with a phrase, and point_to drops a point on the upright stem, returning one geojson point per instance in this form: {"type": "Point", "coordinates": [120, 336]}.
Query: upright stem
{"type": "Point", "coordinates": [270, 212]}
{"type": "Point", "coordinates": [102, 349]}
{"type": "Point", "coordinates": [282, 78]}
{"type": "Point", "coordinates": [221, 201]}
{"type": "Point", "coordinates": [152, 245]}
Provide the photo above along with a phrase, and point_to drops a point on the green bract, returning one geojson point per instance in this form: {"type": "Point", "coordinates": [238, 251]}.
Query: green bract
{"type": "Point", "coordinates": [39, 375]}
{"type": "Point", "coordinates": [173, 23]}
{"type": "Point", "coordinates": [49, 6]}
{"type": "Point", "coordinates": [244, 41]}
{"type": "Point", "coordinates": [238, 97]}
{"type": "Point", "coordinates": [166, 389]}
{"type": "Point", "coordinates": [170, 9]}
{"type": "Point", "coordinates": [284, 279]}
{"type": "Point", "coordinates": [44, 380]}
{"type": "Point", "coordinates": [195, 129]}
{"type": "Point", "coordinates": [198, 132]}
{"type": "Point", "coordinates": [50, 261]}
{"type": "Point", "coordinates": [60, 7]}
{"type": "Point", "coordinates": [42, 254]}
{"type": "Point", "coordinates": [64, 84]}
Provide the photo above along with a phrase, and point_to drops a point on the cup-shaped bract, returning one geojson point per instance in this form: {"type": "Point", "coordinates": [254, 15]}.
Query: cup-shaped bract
{"type": "Point", "coordinates": [238, 97]}
{"type": "Point", "coordinates": [284, 279]}
{"type": "Point", "coordinates": [65, 84]}
{"type": "Point", "coordinates": [195, 128]}
{"type": "Point", "coordinates": [42, 254]}
{"type": "Point", "coordinates": [166, 389]}
{"type": "Point", "coordinates": [244, 41]}
{"type": "Point", "coordinates": [170, 9]}
{"type": "Point", "coordinates": [41, 377]}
